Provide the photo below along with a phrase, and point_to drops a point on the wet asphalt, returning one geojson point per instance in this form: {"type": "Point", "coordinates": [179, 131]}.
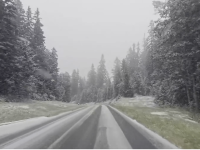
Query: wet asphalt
{"type": "Point", "coordinates": [81, 129]}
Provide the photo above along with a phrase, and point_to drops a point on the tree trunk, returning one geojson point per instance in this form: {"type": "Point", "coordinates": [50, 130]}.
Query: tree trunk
{"type": "Point", "coordinates": [187, 89]}
{"type": "Point", "coordinates": [188, 98]}
{"type": "Point", "coordinates": [188, 94]}
{"type": "Point", "coordinates": [195, 95]}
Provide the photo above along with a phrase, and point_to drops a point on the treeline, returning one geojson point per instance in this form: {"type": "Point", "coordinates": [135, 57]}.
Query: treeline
{"type": "Point", "coordinates": [175, 53]}
{"type": "Point", "coordinates": [96, 88]}
{"type": "Point", "coordinates": [167, 66]}
{"type": "Point", "coordinates": [27, 68]}
{"type": "Point", "coordinates": [126, 80]}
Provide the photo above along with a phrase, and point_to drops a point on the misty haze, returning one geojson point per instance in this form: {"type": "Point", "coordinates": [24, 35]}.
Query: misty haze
{"type": "Point", "coordinates": [99, 74]}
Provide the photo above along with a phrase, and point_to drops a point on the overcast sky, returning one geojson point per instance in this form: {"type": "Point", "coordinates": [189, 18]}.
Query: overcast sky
{"type": "Point", "coordinates": [82, 30]}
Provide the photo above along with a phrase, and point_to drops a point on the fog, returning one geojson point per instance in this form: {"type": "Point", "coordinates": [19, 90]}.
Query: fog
{"type": "Point", "coordinates": [82, 30]}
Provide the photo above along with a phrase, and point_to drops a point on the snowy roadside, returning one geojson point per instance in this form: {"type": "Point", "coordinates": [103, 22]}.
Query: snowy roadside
{"type": "Point", "coordinates": [18, 126]}
{"type": "Point", "coordinates": [173, 124]}
{"type": "Point", "coordinates": [148, 103]}
{"type": "Point", "coordinates": [14, 112]}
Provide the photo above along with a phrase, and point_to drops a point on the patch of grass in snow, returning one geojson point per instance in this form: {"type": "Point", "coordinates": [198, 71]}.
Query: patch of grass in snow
{"type": "Point", "coordinates": [178, 131]}
{"type": "Point", "coordinates": [19, 111]}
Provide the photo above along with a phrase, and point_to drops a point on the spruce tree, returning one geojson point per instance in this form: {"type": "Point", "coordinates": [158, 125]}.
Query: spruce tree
{"type": "Point", "coordinates": [127, 91]}
{"type": "Point", "coordinates": [8, 39]}
{"type": "Point", "coordinates": [101, 73]}
{"type": "Point", "coordinates": [92, 77]}
{"type": "Point", "coordinates": [20, 19]}
{"type": "Point", "coordinates": [74, 83]}
{"type": "Point", "coordinates": [28, 26]}
{"type": "Point", "coordinates": [117, 77]}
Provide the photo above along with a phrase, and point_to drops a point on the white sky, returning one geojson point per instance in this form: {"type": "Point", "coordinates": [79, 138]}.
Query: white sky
{"type": "Point", "coordinates": [82, 30]}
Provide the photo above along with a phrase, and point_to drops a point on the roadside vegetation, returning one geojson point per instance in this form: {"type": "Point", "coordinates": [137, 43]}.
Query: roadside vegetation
{"type": "Point", "coordinates": [174, 124]}
{"type": "Point", "coordinates": [165, 64]}
{"type": "Point", "coordinates": [24, 110]}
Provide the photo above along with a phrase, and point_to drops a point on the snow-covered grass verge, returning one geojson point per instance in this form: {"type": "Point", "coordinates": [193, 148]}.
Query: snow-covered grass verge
{"type": "Point", "coordinates": [173, 124]}
{"type": "Point", "coordinates": [24, 110]}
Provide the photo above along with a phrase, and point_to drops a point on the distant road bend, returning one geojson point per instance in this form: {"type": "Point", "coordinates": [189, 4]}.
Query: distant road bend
{"type": "Point", "coordinates": [98, 126]}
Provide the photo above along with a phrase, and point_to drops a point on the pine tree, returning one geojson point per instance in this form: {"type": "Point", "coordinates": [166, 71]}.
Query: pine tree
{"type": "Point", "coordinates": [127, 91]}
{"type": "Point", "coordinates": [52, 59]}
{"type": "Point", "coordinates": [175, 53]}
{"type": "Point", "coordinates": [8, 40]}
{"type": "Point", "coordinates": [117, 77]}
{"type": "Point", "coordinates": [81, 85]}
{"type": "Point", "coordinates": [101, 73]}
{"type": "Point", "coordinates": [109, 91]}
{"type": "Point", "coordinates": [83, 97]}
{"type": "Point", "coordinates": [54, 64]}
{"type": "Point", "coordinates": [23, 54]}
{"type": "Point", "coordinates": [92, 77]}
{"type": "Point", "coordinates": [2, 10]}
{"type": "Point", "coordinates": [41, 55]}
{"type": "Point", "coordinates": [74, 83]}
{"type": "Point", "coordinates": [37, 42]}
{"type": "Point", "coordinates": [28, 26]}
{"type": "Point", "coordinates": [150, 48]}
{"type": "Point", "coordinates": [20, 18]}
{"type": "Point", "coordinates": [24, 65]}
{"type": "Point", "coordinates": [132, 61]}
{"type": "Point", "coordinates": [63, 87]}
{"type": "Point", "coordinates": [38, 34]}
{"type": "Point", "coordinates": [143, 67]}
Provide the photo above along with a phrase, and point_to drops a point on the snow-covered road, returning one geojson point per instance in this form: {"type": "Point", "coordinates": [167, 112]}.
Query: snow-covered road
{"type": "Point", "coordinates": [92, 127]}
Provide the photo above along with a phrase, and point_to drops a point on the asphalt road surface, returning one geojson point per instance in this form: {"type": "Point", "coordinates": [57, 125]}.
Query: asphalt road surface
{"type": "Point", "coordinates": [99, 127]}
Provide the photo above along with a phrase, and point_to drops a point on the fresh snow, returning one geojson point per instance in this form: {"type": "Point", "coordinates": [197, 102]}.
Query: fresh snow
{"type": "Point", "coordinates": [24, 106]}
{"type": "Point", "coordinates": [159, 113]}
{"type": "Point", "coordinates": [148, 102]}
{"type": "Point", "coordinates": [191, 121]}
{"type": "Point", "coordinates": [143, 101]}
{"type": "Point", "coordinates": [17, 126]}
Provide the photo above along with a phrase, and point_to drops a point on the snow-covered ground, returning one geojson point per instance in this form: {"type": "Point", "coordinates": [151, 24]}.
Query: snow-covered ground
{"type": "Point", "coordinates": [14, 111]}
{"type": "Point", "coordinates": [140, 101]}
{"type": "Point", "coordinates": [148, 103]}
{"type": "Point", "coordinates": [159, 113]}
{"type": "Point", "coordinates": [173, 124]}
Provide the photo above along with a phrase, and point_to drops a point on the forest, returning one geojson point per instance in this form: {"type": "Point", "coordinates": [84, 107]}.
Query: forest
{"type": "Point", "coordinates": [165, 65]}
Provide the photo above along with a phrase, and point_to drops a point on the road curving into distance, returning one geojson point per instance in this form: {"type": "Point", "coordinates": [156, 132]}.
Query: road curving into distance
{"type": "Point", "coordinates": [98, 126]}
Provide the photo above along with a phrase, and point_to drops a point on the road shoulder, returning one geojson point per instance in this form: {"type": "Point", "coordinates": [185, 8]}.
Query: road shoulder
{"type": "Point", "coordinates": [147, 134]}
